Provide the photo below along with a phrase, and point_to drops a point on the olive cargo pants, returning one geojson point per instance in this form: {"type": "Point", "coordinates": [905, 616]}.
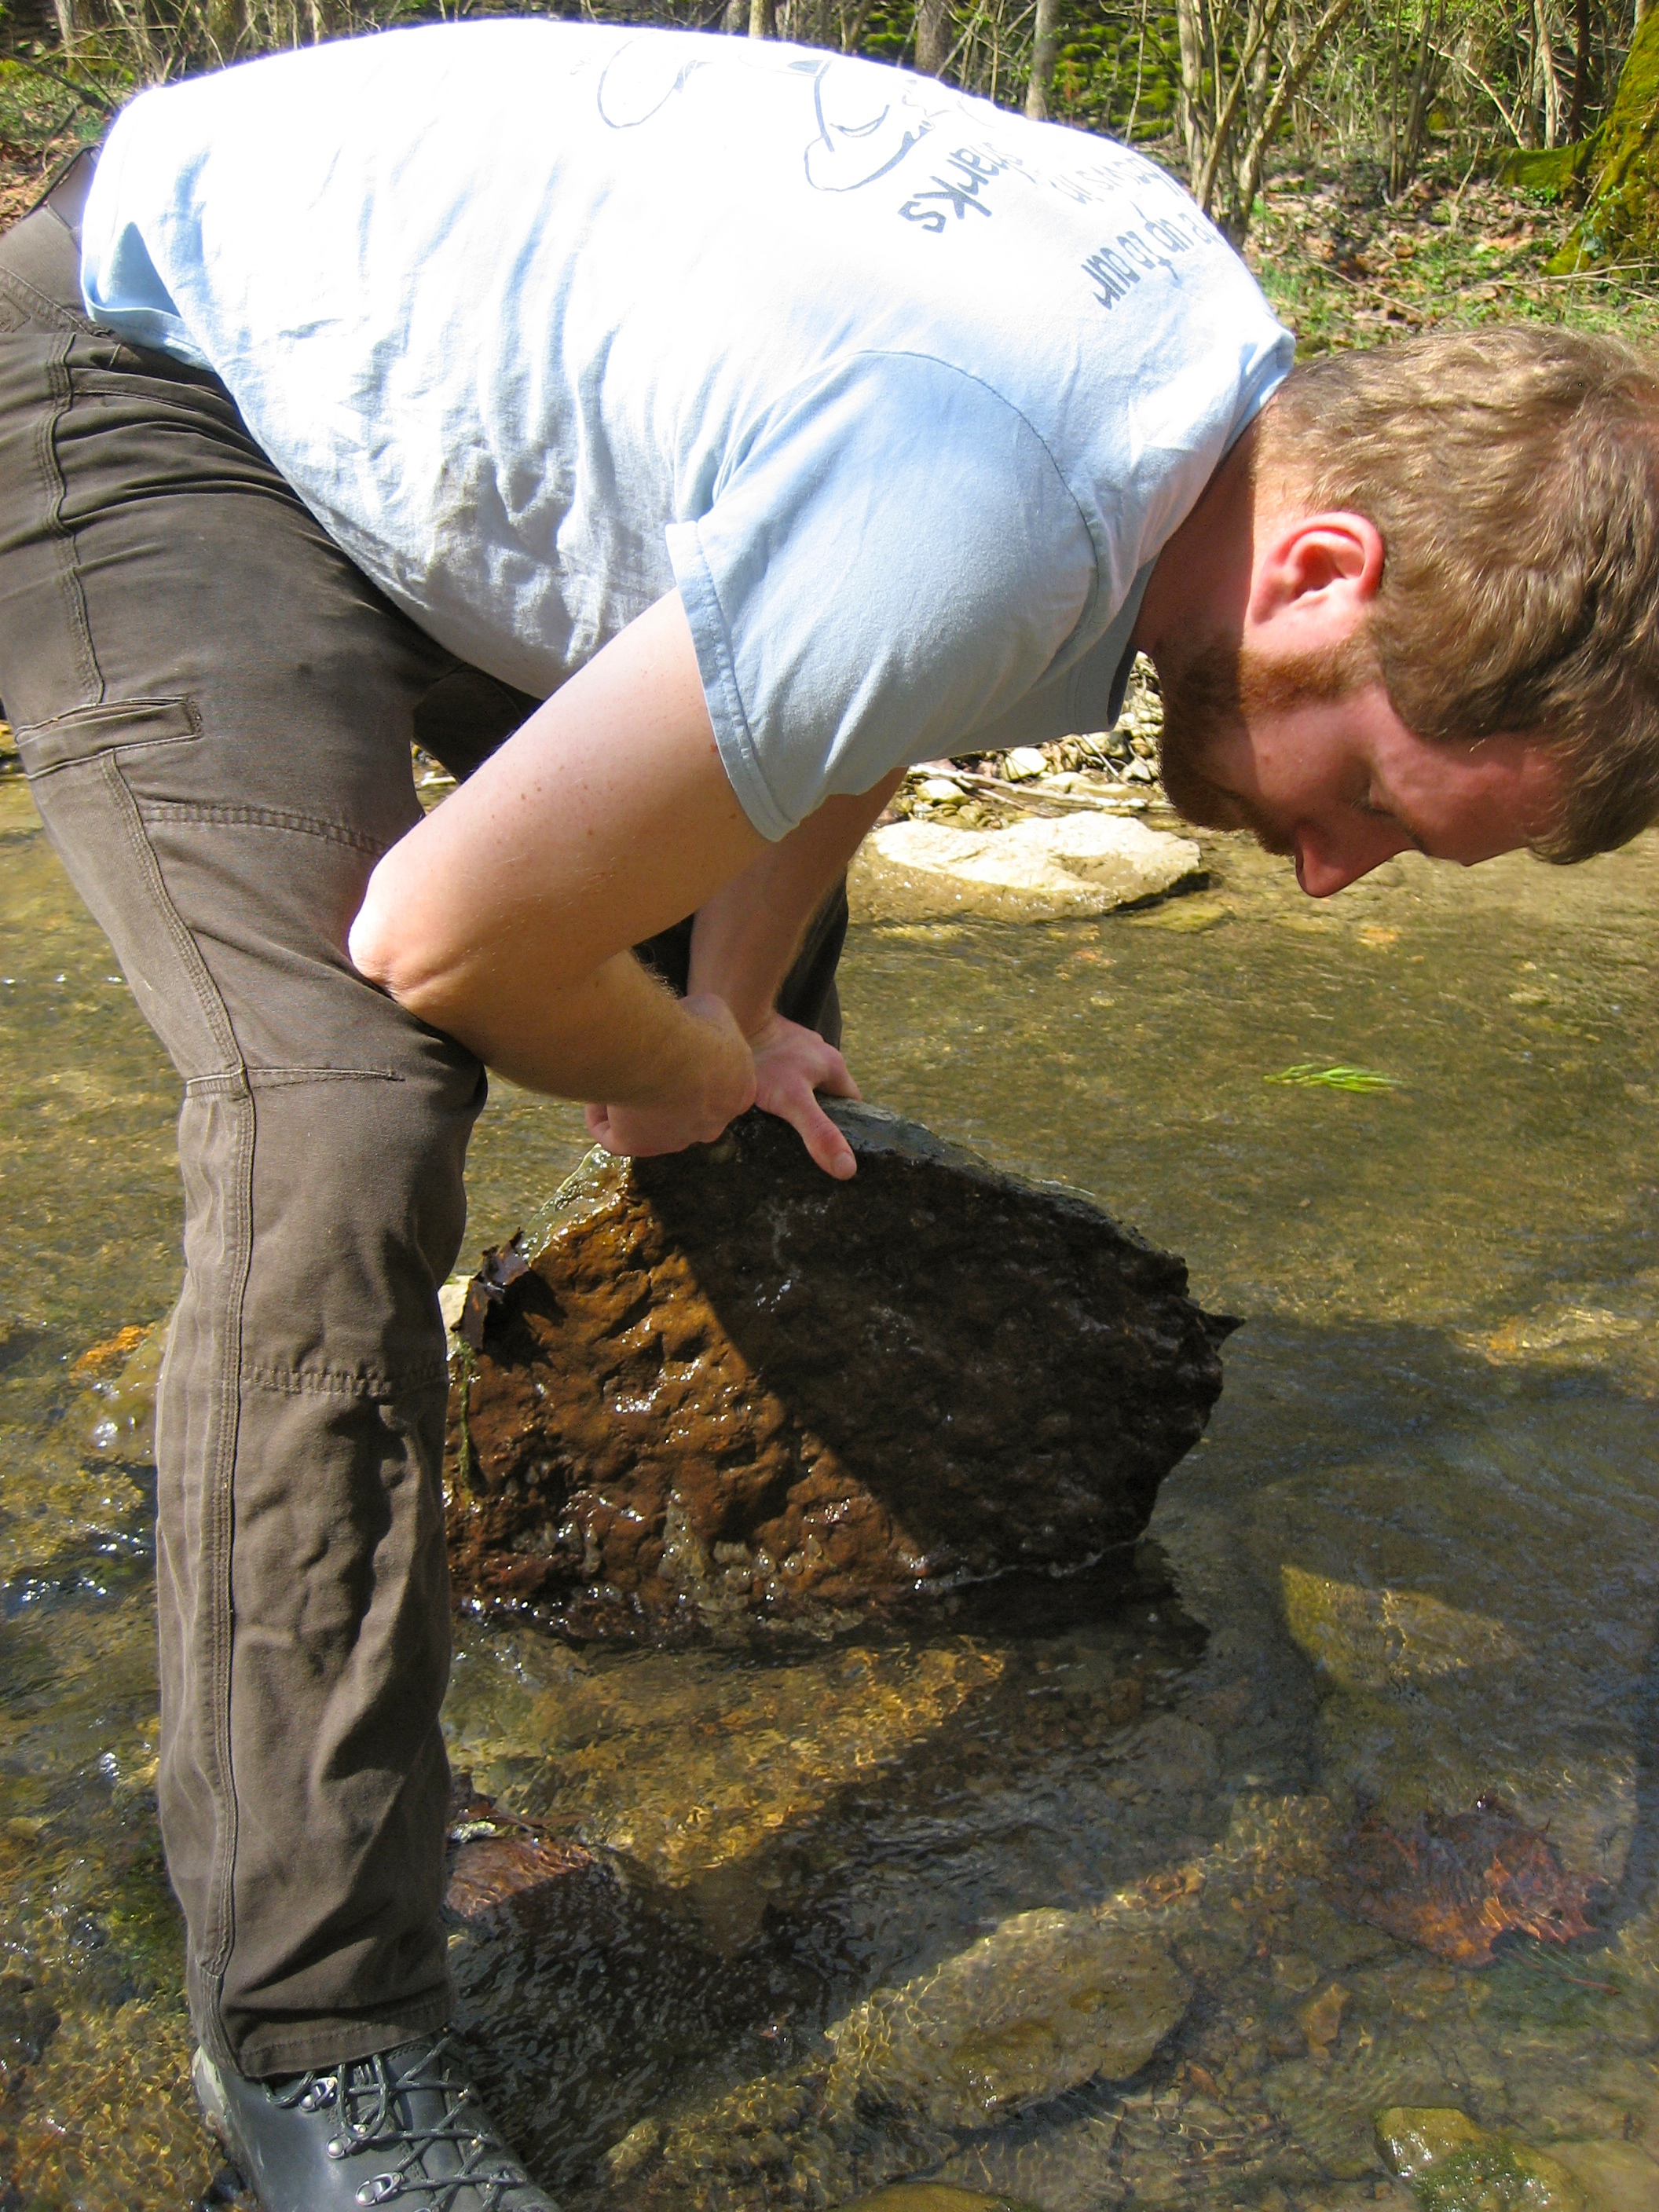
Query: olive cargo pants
{"type": "Point", "coordinates": [214, 710]}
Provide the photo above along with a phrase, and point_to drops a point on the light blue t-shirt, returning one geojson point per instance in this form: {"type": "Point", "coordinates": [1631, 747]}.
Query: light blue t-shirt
{"type": "Point", "coordinates": [541, 320]}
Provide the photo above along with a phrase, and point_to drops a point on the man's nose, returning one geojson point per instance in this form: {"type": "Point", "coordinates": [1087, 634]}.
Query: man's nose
{"type": "Point", "coordinates": [1325, 866]}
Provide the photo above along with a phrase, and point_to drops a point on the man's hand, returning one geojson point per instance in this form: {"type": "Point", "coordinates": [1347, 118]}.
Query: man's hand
{"type": "Point", "coordinates": [726, 1087]}
{"type": "Point", "coordinates": [790, 1063]}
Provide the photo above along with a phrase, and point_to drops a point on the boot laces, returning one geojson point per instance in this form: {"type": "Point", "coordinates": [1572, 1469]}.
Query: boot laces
{"type": "Point", "coordinates": [366, 2093]}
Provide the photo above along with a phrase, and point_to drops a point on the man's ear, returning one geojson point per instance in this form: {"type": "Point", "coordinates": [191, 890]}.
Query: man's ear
{"type": "Point", "coordinates": [1317, 573]}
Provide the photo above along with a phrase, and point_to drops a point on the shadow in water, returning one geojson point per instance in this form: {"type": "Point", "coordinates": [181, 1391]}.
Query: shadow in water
{"type": "Point", "coordinates": [1475, 1534]}
{"type": "Point", "coordinates": [1037, 1788]}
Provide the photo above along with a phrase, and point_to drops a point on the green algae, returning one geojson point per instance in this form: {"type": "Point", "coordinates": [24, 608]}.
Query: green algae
{"type": "Point", "coordinates": [1457, 2167]}
{"type": "Point", "coordinates": [1550, 173]}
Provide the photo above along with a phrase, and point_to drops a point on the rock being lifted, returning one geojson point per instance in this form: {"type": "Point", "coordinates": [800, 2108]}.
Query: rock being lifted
{"type": "Point", "coordinates": [726, 1391]}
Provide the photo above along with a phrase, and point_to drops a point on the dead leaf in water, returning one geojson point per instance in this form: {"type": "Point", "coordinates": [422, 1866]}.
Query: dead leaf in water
{"type": "Point", "coordinates": [1457, 1881]}
{"type": "Point", "coordinates": [1320, 2020]}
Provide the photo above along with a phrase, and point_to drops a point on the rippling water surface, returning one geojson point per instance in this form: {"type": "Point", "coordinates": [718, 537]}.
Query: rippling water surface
{"type": "Point", "coordinates": [1412, 1564]}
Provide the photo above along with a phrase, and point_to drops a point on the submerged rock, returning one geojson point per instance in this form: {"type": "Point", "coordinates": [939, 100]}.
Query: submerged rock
{"type": "Point", "coordinates": [1044, 2003]}
{"type": "Point", "coordinates": [728, 1390]}
{"type": "Point", "coordinates": [499, 1866]}
{"type": "Point", "coordinates": [116, 1419]}
{"type": "Point", "coordinates": [1035, 869]}
{"type": "Point", "coordinates": [1459, 2167]}
{"type": "Point", "coordinates": [1371, 1639]}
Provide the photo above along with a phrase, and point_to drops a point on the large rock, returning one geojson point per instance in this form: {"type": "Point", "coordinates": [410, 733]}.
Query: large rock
{"type": "Point", "coordinates": [728, 1390]}
{"type": "Point", "coordinates": [1038, 870]}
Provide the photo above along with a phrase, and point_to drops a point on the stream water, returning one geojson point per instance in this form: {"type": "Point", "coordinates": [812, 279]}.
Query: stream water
{"type": "Point", "coordinates": [1414, 1562]}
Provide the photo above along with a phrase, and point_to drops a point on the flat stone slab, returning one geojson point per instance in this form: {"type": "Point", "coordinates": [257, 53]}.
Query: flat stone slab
{"type": "Point", "coordinates": [726, 1392]}
{"type": "Point", "coordinates": [1036, 870]}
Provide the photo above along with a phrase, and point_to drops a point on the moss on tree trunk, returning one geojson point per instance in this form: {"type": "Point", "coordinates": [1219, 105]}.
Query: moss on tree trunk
{"type": "Point", "coordinates": [1618, 169]}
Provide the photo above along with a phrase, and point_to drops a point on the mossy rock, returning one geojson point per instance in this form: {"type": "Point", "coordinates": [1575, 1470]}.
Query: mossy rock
{"type": "Point", "coordinates": [1556, 172]}
{"type": "Point", "coordinates": [1620, 221]}
{"type": "Point", "coordinates": [1457, 2167]}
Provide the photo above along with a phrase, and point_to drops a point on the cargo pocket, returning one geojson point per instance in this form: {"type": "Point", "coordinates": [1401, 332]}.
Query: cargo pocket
{"type": "Point", "coordinates": [113, 725]}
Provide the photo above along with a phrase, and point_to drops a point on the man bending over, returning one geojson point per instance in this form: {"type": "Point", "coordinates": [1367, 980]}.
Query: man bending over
{"type": "Point", "coordinates": [677, 437]}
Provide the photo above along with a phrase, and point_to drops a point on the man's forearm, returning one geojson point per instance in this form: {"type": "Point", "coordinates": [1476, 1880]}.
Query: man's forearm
{"type": "Point", "coordinates": [617, 1033]}
{"type": "Point", "coordinates": [745, 936]}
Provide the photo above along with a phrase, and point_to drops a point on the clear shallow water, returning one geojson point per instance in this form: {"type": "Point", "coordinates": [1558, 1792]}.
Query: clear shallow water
{"type": "Point", "coordinates": [1413, 1561]}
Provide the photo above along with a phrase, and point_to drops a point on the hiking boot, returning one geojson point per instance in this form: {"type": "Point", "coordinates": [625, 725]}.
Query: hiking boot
{"type": "Point", "coordinates": [404, 2127]}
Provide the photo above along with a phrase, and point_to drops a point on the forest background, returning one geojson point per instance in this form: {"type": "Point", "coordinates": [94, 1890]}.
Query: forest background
{"type": "Point", "coordinates": [1383, 163]}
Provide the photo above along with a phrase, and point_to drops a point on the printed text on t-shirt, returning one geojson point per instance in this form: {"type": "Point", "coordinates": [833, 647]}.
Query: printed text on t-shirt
{"type": "Point", "coordinates": [1113, 269]}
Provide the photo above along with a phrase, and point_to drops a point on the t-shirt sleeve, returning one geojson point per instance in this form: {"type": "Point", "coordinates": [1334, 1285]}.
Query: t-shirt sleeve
{"type": "Point", "coordinates": [891, 559]}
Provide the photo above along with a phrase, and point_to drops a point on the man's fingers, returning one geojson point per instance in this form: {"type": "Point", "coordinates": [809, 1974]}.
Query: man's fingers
{"type": "Point", "coordinates": [838, 1077]}
{"type": "Point", "coordinates": [823, 1141]}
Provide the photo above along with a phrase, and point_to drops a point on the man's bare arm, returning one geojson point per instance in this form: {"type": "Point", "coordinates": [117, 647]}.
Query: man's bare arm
{"type": "Point", "coordinates": [743, 942]}
{"type": "Point", "coordinates": [746, 936]}
{"type": "Point", "coordinates": [505, 916]}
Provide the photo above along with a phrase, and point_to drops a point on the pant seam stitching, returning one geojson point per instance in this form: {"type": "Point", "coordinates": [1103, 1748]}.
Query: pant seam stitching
{"type": "Point", "coordinates": [42, 309]}
{"type": "Point", "coordinates": [293, 2053]}
{"type": "Point", "coordinates": [217, 1548]}
{"type": "Point", "coordinates": [261, 817]}
{"type": "Point", "coordinates": [208, 998]}
{"type": "Point", "coordinates": [338, 1383]}
{"type": "Point", "coordinates": [280, 1079]}
{"type": "Point", "coordinates": [56, 490]}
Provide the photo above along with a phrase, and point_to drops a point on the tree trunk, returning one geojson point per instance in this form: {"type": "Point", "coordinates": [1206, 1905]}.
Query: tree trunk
{"type": "Point", "coordinates": [934, 36]}
{"type": "Point", "coordinates": [853, 21]}
{"type": "Point", "coordinates": [1045, 45]}
{"type": "Point", "coordinates": [1548, 85]}
{"type": "Point", "coordinates": [1619, 167]}
{"type": "Point", "coordinates": [1581, 35]}
{"type": "Point", "coordinates": [1291, 78]}
{"type": "Point", "coordinates": [762, 19]}
{"type": "Point", "coordinates": [1189, 24]}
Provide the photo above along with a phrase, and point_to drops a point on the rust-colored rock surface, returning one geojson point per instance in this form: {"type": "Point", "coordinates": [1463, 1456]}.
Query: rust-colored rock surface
{"type": "Point", "coordinates": [730, 1391]}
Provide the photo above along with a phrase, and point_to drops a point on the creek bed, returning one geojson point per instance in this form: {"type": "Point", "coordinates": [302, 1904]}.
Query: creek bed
{"type": "Point", "coordinates": [1411, 1564]}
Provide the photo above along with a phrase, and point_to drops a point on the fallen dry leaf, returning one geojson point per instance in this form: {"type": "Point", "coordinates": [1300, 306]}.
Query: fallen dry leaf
{"type": "Point", "coordinates": [1458, 1882]}
{"type": "Point", "coordinates": [1320, 2020]}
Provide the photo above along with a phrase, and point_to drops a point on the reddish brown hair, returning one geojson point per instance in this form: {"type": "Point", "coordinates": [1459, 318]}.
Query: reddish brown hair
{"type": "Point", "coordinates": [1514, 474]}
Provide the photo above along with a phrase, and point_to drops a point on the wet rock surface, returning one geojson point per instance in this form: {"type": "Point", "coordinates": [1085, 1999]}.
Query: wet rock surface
{"type": "Point", "coordinates": [1047, 2001]}
{"type": "Point", "coordinates": [729, 1391]}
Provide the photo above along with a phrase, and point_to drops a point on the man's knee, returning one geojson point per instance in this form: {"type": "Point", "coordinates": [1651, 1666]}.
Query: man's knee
{"type": "Point", "coordinates": [357, 1208]}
